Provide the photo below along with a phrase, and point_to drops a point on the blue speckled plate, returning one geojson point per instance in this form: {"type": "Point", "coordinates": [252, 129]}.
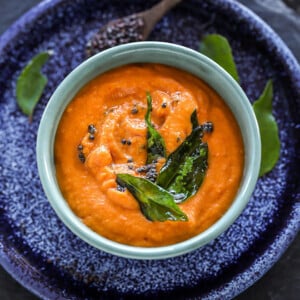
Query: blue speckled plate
{"type": "Point", "coordinates": [41, 253]}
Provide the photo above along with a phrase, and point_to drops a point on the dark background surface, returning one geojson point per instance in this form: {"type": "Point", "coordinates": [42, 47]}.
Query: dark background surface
{"type": "Point", "coordinates": [282, 282]}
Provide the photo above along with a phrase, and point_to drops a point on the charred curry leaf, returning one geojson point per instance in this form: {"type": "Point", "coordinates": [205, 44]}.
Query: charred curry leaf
{"type": "Point", "coordinates": [217, 47]}
{"type": "Point", "coordinates": [156, 203]}
{"type": "Point", "coordinates": [268, 129]}
{"type": "Point", "coordinates": [31, 84]}
{"type": "Point", "coordinates": [155, 143]}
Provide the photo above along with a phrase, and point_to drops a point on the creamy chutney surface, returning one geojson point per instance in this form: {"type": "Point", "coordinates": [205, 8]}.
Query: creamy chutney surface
{"type": "Point", "coordinates": [114, 105]}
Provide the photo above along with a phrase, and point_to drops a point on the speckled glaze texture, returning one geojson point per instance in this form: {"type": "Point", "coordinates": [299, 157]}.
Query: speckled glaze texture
{"type": "Point", "coordinates": [40, 252]}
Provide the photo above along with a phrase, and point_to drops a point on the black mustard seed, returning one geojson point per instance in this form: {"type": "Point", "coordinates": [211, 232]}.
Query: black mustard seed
{"type": "Point", "coordinates": [120, 188]}
{"type": "Point", "coordinates": [91, 129]}
{"type": "Point", "coordinates": [208, 127]}
{"type": "Point", "coordinates": [81, 157]}
{"type": "Point", "coordinates": [134, 111]}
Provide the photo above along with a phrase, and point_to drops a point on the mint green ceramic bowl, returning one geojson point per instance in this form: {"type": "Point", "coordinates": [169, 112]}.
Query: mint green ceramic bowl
{"type": "Point", "coordinates": [151, 52]}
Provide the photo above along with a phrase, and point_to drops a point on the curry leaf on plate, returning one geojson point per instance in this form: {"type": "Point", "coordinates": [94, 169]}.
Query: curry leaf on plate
{"type": "Point", "coordinates": [155, 143]}
{"type": "Point", "coordinates": [31, 84]}
{"type": "Point", "coordinates": [268, 129]}
{"type": "Point", "coordinates": [217, 47]}
{"type": "Point", "coordinates": [156, 203]}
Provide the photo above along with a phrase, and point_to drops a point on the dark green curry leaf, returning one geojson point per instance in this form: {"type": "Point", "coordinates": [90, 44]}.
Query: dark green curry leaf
{"type": "Point", "coordinates": [156, 203]}
{"type": "Point", "coordinates": [155, 143]}
{"type": "Point", "coordinates": [190, 174]}
{"type": "Point", "coordinates": [194, 120]}
{"type": "Point", "coordinates": [185, 168]}
{"type": "Point", "coordinates": [268, 129]}
{"type": "Point", "coordinates": [217, 47]}
{"type": "Point", "coordinates": [175, 159]}
{"type": "Point", "coordinates": [31, 84]}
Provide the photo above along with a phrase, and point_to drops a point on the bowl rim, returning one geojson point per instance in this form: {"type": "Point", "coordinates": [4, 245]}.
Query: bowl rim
{"type": "Point", "coordinates": [174, 55]}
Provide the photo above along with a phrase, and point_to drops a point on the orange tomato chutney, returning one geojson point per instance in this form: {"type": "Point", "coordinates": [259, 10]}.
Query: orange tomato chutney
{"type": "Point", "coordinates": [115, 103]}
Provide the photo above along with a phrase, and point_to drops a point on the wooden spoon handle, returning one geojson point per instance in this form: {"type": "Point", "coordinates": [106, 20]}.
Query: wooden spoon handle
{"type": "Point", "coordinates": [154, 14]}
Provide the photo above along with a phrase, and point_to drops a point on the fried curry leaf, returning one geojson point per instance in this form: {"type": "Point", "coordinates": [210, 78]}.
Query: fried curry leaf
{"type": "Point", "coordinates": [194, 120]}
{"type": "Point", "coordinates": [156, 203]}
{"type": "Point", "coordinates": [176, 158]}
{"type": "Point", "coordinates": [190, 175]}
{"type": "Point", "coordinates": [31, 84]}
{"type": "Point", "coordinates": [268, 129]}
{"type": "Point", "coordinates": [155, 143]}
{"type": "Point", "coordinates": [217, 47]}
{"type": "Point", "coordinates": [185, 168]}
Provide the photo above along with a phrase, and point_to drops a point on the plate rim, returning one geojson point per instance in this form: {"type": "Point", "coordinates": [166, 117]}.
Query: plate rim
{"type": "Point", "coordinates": [282, 240]}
